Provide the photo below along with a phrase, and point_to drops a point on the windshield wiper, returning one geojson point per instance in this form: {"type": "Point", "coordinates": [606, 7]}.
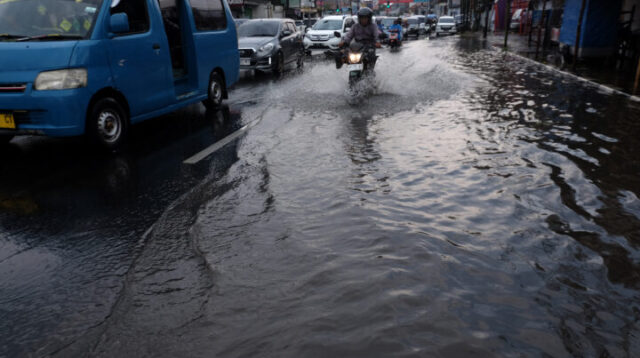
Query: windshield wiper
{"type": "Point", "coordinates": [50, 36]}
{"type": "Point", "coordinates": [10, 36]}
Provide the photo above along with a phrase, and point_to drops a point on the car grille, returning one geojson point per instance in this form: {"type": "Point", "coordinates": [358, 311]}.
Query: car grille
{"type": "Point", "coordinates": [446, 28]}
{"type": "Point", "coordinates": [27, 117]}
{"type": "Point", "coordinates": [319, 37]}
{"type": "Point", "coordinates": [12, 87]}
{"type": "Point", "coordinates": [246, 52]}
{"type": "Point", "coordinates": [320, 46]}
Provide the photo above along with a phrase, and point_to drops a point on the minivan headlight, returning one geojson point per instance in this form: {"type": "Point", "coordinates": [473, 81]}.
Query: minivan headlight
{"type": "Point", "coordinates": [266, 48]}
{"type": "Point", "coordinates": [61, 79]}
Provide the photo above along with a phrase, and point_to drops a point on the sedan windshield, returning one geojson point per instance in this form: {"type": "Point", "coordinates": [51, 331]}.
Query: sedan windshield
{"type": "Point", "coordinates": [328, 25]}
{"type": "Point", "coordinates": [47, 19]}
{"type": "Point", "coordinates": [259, 28]}
{"type": "Point", "coordinates": [446, 20]}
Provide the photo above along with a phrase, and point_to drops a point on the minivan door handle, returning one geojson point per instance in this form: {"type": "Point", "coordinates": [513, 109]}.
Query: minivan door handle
{"type": "Point", "coordinates": [156, 46]}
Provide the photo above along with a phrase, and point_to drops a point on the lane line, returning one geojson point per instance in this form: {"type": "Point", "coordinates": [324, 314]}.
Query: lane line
{"type": "Point", "coordinates": [218, 145]}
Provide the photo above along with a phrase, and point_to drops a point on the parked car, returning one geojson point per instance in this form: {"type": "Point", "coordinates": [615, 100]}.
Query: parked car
{"type": "Point", "coordinates": [110, 64]}
{"type": "Point", "coordinates": [269, 45]}
{"type": "Point", "coordinates": [446, 25]}
{"type": "Point", "coordinates": [520, 15]}
{"type": "Point", "coordinates": [321, 36]}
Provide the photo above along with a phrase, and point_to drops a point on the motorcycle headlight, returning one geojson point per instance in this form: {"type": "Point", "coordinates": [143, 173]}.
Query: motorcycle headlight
{"type": "Point", "coordinates": [266, 48]}
{"type": "Point", "coordinates": [355, 57]}
{"type": "Point", "coordinates": [61, 79]}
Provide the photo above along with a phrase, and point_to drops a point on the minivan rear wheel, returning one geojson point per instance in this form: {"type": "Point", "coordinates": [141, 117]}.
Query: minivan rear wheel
{"type": "Point", "coordinates": [216, 92]}
{"type": "Point", "coordinates": [108, 124]}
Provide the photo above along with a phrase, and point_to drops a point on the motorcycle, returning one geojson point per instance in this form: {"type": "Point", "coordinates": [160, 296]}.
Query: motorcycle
{"type": "Point", "coordinates": [394, 42]}
{"type": "Point", "coordinates": [360, 59]}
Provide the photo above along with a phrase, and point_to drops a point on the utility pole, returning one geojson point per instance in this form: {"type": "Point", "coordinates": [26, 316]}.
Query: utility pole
{"type": "Point", "coordinates": [507, 14]}
{"type": "Point", "coordinates": [578, 33]}
{"type": "Point", "coordinates": [544, 8]}
{"type": "Point", "coordinates": [488, 6]}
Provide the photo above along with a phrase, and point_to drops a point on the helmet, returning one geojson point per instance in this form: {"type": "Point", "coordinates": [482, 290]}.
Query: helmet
{"type": "Point", "coordinates": [363, 13]}
{"type": "Point", "coordinates": [398, 21]}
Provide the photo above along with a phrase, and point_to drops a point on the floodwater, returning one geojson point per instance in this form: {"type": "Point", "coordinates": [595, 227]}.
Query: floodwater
{"type": "Point", "coordinates": [475, 205]}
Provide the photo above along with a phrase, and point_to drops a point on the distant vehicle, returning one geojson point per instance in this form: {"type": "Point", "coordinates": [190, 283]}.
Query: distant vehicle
{"type": "Point", "coordinates": [459, 19]}
{"type": "Point", "coordinates": [300, 26]}
{"type": "Point", "coordinates": [321, 36]}
{"type": "Point", "coordinates": [385, 23]}
{"type": "Point", "coordinates": [422, 21]}
{"type": "Point", "coordinates": [268, 45]}
{"type": "Point", "coordinates": [518, 16]}
{"type": "Point", "coordinates": [105, 65]}
{"type": "Point", "coordinates": [446, 25]}
{"type": "Point", "coordinates": [308, 23]}
{"type": "Point", "coordinates": [240, 22]}
{"type": "Point", "coordinates": [413, 28]}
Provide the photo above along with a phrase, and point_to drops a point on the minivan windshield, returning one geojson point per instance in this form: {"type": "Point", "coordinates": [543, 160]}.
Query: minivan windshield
{"type": "Point", "coordinates": [42, 20]}
{"type": "Point", "coordinates": [259, 28]}
{"type": "Point", "coordinates": [446, 20]}
{"type": "Point", "coordinates": [328, 25]}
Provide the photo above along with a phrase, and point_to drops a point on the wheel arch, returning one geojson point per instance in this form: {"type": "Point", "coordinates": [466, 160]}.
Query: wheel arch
{"type": "Point", "coordinates": [108, 92]}
{"type": "Point", "coordinates": [220, 72]}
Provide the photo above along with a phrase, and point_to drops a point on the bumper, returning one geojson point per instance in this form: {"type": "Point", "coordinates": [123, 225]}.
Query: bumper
{"type": "Point", "coordinates": [320, 45]}
{"type": "Point", "coordinates": [59, 113]}
{"type": "Point", "coordinates": [258, 63]}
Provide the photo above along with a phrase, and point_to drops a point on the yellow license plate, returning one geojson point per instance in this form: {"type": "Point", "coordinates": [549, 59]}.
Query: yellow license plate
{"type": "Point", "coordinates": [7, 121]}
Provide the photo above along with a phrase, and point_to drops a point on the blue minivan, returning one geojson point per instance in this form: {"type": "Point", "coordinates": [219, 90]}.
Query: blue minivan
{"type": "Point", "coordinates": [73, 67]}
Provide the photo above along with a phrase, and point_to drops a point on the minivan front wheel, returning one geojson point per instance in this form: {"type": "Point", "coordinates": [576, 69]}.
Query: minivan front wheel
{"type": "Point", "coordinates": [107, 124]}
{"type": "Point", "coordinates": [216, 92]}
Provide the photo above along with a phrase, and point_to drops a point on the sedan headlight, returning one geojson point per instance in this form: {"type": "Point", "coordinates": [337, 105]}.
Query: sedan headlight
{"type": "Point", "coordinates": [355, 57]}
{"type": "Point", "coordinates": [61, 79]}
{"type": "Point", "coordinates": [266, 49]}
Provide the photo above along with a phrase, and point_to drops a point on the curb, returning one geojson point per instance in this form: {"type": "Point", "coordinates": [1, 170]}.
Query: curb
{"type": "Point", "coordinates": [605, 88]}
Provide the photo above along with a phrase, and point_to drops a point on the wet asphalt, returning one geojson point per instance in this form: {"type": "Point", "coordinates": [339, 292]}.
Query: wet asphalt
{"type": "Point", "coordinates": [474, 204]}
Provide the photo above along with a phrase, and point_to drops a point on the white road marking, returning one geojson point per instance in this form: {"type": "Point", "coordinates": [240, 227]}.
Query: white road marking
{"type": "Point", "coordinates": [218, 145]}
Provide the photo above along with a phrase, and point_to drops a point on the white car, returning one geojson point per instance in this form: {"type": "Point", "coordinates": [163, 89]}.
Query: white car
{"type": "Point", "coordinates": [446, 25]}
{"type": "Point", "coordinates": [321, 36]}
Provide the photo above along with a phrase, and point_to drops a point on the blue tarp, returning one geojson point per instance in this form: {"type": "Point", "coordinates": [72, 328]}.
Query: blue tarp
{"type": "Point", "coordinates": [599, 25]}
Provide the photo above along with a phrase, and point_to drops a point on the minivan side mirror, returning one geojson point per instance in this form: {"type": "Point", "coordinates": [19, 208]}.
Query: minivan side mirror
{"type": "Point", "coordinates": [119, 23]}
{"type": "Point", "coordinates": [337, 34]}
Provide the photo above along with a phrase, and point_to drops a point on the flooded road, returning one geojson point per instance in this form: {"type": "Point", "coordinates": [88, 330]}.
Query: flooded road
{"type": "Point", "coordinates": [475, 205]}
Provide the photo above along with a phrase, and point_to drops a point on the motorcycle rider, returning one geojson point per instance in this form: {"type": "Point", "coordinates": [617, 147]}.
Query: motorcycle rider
{"type": "Point", "coordinates": [397, 26]}
{"type": "Point", "coordinates": [363, 31]}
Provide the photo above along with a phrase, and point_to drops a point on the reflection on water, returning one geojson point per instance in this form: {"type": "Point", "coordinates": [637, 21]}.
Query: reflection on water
{"type": "Point", "coordinates": [476, 205]}
{"type": "Point", "coordinates": [72, 219]}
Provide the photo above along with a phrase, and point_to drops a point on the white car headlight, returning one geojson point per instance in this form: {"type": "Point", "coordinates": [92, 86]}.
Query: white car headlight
{"type": "Point", "coordinates": [61, 79]}
{"type": "Point", "coordinates": [266, 48]}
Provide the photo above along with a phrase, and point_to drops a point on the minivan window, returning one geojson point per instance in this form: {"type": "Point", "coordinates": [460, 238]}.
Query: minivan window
{"type": "Point", "coordinates": [259, 28]}
{"type": "Point", "coordinates": [209, 15]}
{"type": "Point", "coordinates": [136, 11]}
{"type": "Point", "coordinates": [328, 25]}
{"type": "Point", "coordinates": [47, 19]}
